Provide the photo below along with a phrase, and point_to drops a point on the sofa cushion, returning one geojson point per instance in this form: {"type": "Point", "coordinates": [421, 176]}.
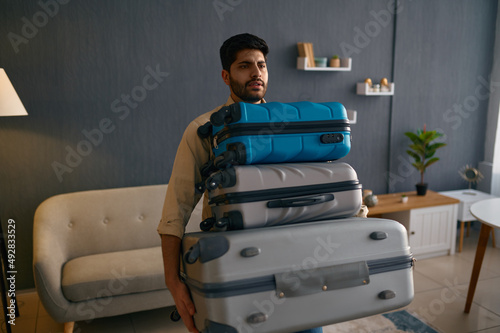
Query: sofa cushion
{"type": "Point", "coordinates": [112, 274]}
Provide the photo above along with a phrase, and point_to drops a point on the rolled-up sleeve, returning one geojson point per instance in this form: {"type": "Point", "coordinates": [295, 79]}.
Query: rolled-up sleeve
{"type": "Point", "coordinates": [181, 197]}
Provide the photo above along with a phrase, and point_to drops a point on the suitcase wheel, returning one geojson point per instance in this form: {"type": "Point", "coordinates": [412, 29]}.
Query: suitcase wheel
{"type": "Point", "coordinates": [207, 224]}
{"type": "Point", "coordinates": [175, 316]}
{"type": "Point", "coordinates": [217, 118]}
{"type": "Point", "coordinates": [213, 182]}
{"type": "Point", "coordinates": [227, 114]}
{"type": "Point", "coordinates": [207, 169]}
{"type": "Point", "coordinates": [200, 187]}
{"type": "Point", "coordinates": [225, 159]}
{"type": "Point", "coordinates": [205, 130]}
{"type": "Point", "coordinates": [222, 224]}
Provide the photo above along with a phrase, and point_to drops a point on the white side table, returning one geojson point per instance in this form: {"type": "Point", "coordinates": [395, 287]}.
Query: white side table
{"type": "Point", "coordinates": [467, 198]}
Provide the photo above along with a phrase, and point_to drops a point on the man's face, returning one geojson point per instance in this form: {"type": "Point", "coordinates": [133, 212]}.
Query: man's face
{"type": "Point", "coordinates": [247, 78]}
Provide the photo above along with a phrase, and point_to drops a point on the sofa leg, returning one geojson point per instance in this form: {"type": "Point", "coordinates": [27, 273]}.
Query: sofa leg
{"type": "Point", "coordinates": [68, 327]}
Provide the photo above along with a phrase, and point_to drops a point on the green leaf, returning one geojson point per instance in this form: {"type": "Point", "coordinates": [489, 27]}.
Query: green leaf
{"type": "Point", "coordinates": [436, 145]}
{"type": "Point", "coordinates": [431, 161]}
{"type": "Point", "coordinates": [414, 155]}
{"type": "Point", "coordinates": [419, 166]}
{"type": "Point", "coordinates": [414, 138]}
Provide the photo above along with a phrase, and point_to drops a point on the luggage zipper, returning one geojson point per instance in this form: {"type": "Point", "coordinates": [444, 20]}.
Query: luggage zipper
{"type": "Point", "coordinates": [231, 288]}
{"type": "Point", "coordinates": [285, 192]}
{"type": "Point", "coordinates": [390, 264]}
{"type": "Point", "coordinates": [268, 282]}
{"type": "Point", "coordinates": [281, 128]}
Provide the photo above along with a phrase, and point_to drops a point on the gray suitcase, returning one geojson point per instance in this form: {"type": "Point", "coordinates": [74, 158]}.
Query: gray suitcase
{"type": "Point", "coordinates": [252, 196]}
{"type": "Point", "coordinates": [295, 277]}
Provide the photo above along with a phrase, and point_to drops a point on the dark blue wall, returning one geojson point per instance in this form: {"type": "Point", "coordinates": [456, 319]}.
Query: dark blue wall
{"type": "Point", "coordinates": [83, 71]}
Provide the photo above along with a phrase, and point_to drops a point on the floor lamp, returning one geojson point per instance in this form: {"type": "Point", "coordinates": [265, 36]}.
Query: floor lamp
{"type": "Point", "coordinates": [10, 105]}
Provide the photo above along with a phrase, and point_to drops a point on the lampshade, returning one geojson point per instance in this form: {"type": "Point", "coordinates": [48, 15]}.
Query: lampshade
{"type": "Point", "coordinates": [10, 103]}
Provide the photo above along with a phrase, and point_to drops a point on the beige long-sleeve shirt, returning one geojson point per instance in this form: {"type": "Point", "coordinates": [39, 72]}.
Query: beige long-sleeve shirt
{"type": "Point", "coordinates": [193, 152]}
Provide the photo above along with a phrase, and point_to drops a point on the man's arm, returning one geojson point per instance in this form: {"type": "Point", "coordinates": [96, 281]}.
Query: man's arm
{"type": "Point", "coordinates": [171, 248]}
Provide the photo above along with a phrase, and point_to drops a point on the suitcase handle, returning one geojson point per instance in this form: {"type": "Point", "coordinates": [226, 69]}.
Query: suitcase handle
{"type": "Point", "coordinates": [301, 202]}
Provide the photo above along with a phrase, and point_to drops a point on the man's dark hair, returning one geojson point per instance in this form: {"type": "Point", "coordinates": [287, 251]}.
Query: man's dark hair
{"type": "Point", "coordinates": [230, 48]}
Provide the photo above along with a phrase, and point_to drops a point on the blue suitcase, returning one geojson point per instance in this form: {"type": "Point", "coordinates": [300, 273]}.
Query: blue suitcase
{"type": "Point", "coordinates": [275, 132]}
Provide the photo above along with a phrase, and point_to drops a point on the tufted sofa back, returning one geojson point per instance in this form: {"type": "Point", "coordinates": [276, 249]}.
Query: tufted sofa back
{"type": "Point", "coordinates": [99, 221]}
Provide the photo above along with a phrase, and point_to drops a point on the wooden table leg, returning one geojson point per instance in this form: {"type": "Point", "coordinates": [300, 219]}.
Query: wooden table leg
{"type": "Point", "coordinates": [493, 242]}
{"type": "Point", "coordinates": [478, 261]}
{"type": "Point", "coordinates": [461, 242]}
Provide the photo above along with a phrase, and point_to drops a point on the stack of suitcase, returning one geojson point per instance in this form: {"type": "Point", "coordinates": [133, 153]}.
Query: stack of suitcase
{"type": "Point", "coordinates": [289, 255]}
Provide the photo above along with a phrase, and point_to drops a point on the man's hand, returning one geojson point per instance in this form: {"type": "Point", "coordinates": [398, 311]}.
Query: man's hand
{"type": "Point", "coordinates": [185, 306]}
{"type": "Point", "coordinates": [171, 248]}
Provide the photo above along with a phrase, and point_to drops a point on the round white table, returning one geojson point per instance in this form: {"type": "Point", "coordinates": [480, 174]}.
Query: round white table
{"type": "Point", "coordinates": [488, 213]}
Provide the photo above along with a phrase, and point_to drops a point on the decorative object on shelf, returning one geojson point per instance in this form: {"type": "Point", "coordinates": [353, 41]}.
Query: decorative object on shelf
{"type": "Point", "coordinates": [368, 89]}
{"type": "Point", "coordinates": [306, 51]}
{"type": "Point", "coordinates": [320, 62]}
{"type": "Point", "coordinates": [384, 85]}
{"type": "Point", "coordinates": [371, 200]}
{"type": "Point", "coordinates": [422, 150]}
{"type": "Point", "coordinates": [345, 65]}
{"type": "Point", "coordinates": [471, 175]}
{"type": "Point", "coordinates": [404, 198]}
{"type": "Point", "coordinates": [335, 61]}
{"type": "Point", "coordinates": [369, 82]}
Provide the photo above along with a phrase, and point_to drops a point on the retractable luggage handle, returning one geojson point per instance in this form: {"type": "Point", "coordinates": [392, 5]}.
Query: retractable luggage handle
{"type": "Point", "coordinates": [301, 202]}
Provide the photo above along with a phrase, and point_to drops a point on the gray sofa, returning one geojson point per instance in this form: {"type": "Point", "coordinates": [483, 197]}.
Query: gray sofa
{"type": "Point", "coordinates": [97, 253]}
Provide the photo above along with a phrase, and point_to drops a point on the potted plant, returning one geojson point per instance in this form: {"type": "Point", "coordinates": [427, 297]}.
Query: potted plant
{"type": "Point", "coordinates": [422, 150]}
{"type": "Point", "coordinates": [335, 61]}
{"type": "Point", "coordinates": [404, 198]}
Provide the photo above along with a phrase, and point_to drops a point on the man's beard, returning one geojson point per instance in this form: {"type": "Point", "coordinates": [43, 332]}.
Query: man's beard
{"type": "Point", "coordinates": [245, 95]}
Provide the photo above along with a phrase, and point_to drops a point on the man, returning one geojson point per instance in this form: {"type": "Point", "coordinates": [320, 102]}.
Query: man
{"type": "Point", "coordinates": [244, 70]}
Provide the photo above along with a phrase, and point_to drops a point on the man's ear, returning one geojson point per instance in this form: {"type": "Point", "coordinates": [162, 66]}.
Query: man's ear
{"type": "Point", "coordinates": [225, 76]}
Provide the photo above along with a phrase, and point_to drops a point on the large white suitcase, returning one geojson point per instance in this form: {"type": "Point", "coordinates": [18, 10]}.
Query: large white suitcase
{"type": "Point", "coordinates": [294, 277]}
{"type": "Point", "coordinates": [252, 196]}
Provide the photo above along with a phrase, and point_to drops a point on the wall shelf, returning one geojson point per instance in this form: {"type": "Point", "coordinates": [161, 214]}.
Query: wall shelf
{"type": "Point", "coordinates": [364, 89]}
{"type": "Point", "coordinates": [345, 66]}
{"type": "Point", "coordinates": [352, 115]}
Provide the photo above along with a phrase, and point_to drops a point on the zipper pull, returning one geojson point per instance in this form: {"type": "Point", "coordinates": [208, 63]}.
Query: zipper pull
{"type": "Point", "coordinates": [214, 143]}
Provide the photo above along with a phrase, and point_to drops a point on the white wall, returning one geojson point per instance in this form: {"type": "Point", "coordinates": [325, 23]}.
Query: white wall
{"type": "Point", "coordinates": [490, 167]}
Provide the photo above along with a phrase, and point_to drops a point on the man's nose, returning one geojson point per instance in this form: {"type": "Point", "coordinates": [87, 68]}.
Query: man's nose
{"type": "Point", "coordinates": [256, 72]}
